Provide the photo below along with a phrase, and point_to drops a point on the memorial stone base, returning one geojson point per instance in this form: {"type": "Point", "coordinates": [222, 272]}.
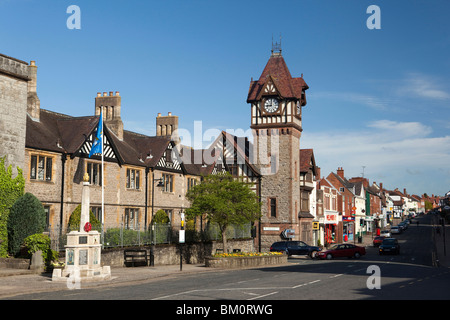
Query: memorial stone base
{"type": "Point", "coordinates": [83, 258]}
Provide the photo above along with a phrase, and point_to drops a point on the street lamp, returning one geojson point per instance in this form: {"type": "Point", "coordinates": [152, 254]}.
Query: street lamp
{"type": "Point", "coordinates": [152, 247]}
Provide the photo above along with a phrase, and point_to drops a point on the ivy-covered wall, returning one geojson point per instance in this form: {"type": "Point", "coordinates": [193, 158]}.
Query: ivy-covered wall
{"type": "Point", "coordinates": [10, 190]}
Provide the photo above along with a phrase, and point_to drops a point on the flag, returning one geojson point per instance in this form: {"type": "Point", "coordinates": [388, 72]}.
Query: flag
{"type": "Point", "coordinates": [97, 145]}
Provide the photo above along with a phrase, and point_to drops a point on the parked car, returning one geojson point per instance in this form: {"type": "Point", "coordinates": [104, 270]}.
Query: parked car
{"type": "Point", "coordinates": [385, 233]}
{"type": "Point", "coordinates": [377, 240]}
{"type": "Point", "coordinates": [342, 250]}
{"type": "Point", "coordinates": [403, 226]}
{"type": "Point", "coordinates": [396, 230]}
{"type": "Point", "coordinates": [389, 245]}
{"type": "Point", "coordinates": [294, 248]}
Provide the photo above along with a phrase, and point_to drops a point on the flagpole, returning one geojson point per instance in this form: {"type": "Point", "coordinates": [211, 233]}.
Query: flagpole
{"type": "Point", "coordinates": [103, 179]}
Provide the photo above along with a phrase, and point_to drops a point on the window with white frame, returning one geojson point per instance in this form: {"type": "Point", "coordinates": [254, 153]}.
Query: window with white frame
{"type": "Point", "coordinates": [94, 170]}
{"type": "Point", "coordinates": [133, 179]}
{"type": "Point", "coordinates": [168, 182]}
{"type": "Point", "coordinates": [131, 218]}
{"type": "Point", "coordinates": [191, 182]}
{"type": "Point", "coordinates": [41, 168]}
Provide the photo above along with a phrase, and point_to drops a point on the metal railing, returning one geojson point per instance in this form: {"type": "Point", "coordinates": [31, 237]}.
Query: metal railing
{"type": "Point", "coordinates": [156, 234]}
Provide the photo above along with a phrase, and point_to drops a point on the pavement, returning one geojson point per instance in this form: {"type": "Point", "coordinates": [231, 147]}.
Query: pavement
{"type": "Point", "coordinates": [441, 237]}
{"type": "Point", "coordinates": [15, 282]}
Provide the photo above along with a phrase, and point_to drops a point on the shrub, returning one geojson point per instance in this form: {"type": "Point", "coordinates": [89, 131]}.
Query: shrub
{"type": "Point", "coordinates": [42, 242]}
{"type": "Point", "coordinates": [160, 217]}
{"type": "Point", "coordinates": [27, 217]}
{"type": "Point", "coordinates": [75, 217]}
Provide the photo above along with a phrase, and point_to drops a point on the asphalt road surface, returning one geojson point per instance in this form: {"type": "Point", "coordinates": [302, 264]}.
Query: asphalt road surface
{"type": "Point", "coordinates": [407, 276]}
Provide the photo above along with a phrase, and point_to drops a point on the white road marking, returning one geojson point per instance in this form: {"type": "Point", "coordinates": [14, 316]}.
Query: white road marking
{"type": "Point", "coordinates": [264, 295]}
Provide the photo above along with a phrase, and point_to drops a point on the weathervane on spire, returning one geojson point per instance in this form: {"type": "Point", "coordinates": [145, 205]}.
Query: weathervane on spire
{"type": "Point", "coordinates": [276, 47]}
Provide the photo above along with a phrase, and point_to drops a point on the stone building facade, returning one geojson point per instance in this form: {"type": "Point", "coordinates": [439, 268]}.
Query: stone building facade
{"type": "Point", "coordinates": [143, 174]}
{"type": "Point", "coordinates": [14, 87]}
{"type": "Point", "coordinates": [57, 156]}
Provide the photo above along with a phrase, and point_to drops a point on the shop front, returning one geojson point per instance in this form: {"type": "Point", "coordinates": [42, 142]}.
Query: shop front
{"type": "Point", "coordinates": [330, 227]}
{"type": "Point", "coordinates": [348, 228]}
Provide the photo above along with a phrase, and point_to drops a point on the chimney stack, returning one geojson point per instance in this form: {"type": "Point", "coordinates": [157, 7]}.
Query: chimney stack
{"type": "Point", "coordinates": [33, 102]}
{"type": "Point", "coordinates": [111, 111]}
{"type": "Point", "coordinates": [340, 172]}
{"type": "Point", "coordinates": [167, 126]}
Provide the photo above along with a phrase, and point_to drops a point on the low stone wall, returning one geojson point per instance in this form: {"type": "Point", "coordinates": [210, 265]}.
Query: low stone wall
{"type": "Point", "coordinates": [244, 262]}
{"type": "Point", "coordinates": [169, 254]}
{"type": "Point", "coordinates": [164, 254]}
{"type": "Point", "coordinates": [14, 263]}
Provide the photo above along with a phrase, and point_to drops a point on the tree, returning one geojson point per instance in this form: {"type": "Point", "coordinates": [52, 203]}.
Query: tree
{"type": "Point", "coordinates": [27, 217]}
{"type": "Point", "coordinates": [10, 190]}
{"type": "Point", "coordinates": [75, 218]}
{"type": "Point", "coordinates": [225, 201]}
{"type": "Point", "coordinates": [428, 205]}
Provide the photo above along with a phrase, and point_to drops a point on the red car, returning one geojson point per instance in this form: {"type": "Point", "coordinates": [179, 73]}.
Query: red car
{"type": "Point", "coordinates": [377, 241]}
{"type": "Point", "coordinates": [341, 250]}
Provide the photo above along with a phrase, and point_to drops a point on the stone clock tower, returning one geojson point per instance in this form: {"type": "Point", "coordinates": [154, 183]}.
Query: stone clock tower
{"type": "Point", "coordinates": [276, 101]}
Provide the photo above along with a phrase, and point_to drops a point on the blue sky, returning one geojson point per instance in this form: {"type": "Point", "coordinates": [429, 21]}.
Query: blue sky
{"type": "Point", "coordinates": [378, 99]}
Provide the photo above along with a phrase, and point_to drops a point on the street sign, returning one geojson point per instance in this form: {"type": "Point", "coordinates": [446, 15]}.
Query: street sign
{"type": "Point", "coordinates": [315, 225]}
{"type": "Point", "coordinates": [288, 233]}
{"type": "Point", "coordinates": [181, 236]}
{"type": "Point", "coordinates": [182, 233]}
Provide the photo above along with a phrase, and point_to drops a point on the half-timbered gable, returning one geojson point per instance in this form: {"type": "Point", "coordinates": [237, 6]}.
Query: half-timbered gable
{"type": "Point", "coordinates": [170, 160]}
{"type": "Point", "coordinates": [233, 155]}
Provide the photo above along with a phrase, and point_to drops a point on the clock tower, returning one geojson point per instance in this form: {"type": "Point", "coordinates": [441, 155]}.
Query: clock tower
{"type": "Point", "coordinates": [276, 100]}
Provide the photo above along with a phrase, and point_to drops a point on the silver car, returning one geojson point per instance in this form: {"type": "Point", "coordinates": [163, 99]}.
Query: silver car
{"type": "Point", "coordinates": [385, 233]}
{"type": "Point", "coordinates": [395, 230]}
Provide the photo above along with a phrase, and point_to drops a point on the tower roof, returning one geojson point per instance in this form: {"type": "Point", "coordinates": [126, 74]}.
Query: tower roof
{"type": "Point", "coordinates": [277, 71]}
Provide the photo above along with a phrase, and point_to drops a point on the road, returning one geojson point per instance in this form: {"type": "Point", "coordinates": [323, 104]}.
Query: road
{"type": "Point", "coordinates": [409, 275]}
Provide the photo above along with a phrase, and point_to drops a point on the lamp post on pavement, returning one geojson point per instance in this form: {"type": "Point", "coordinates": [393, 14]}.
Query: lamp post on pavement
{"type": "Point", "coordinates": [152, 247]}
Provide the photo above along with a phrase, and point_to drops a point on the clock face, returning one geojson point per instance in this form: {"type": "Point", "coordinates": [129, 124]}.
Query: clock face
{"type": "Point", "coordinates": [271, 105]}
